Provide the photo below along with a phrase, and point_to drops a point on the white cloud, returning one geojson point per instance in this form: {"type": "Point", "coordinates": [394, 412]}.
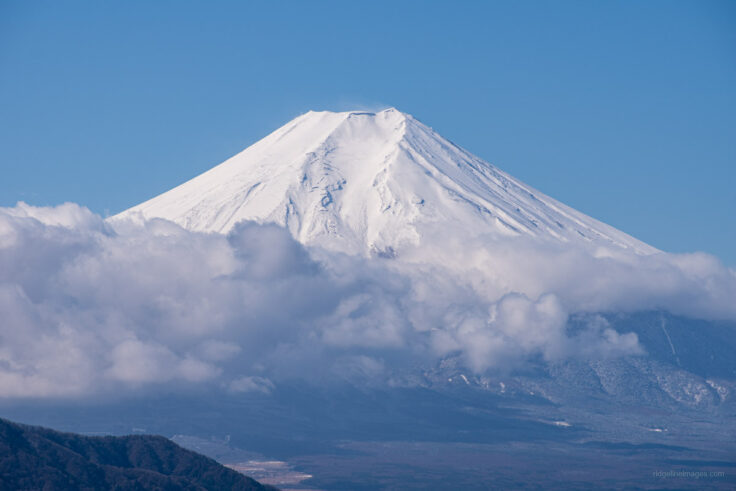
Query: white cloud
{"type": "Point", "coordinates": [88, 308]}
{"type": "Point", "coordinates": [251, 384]}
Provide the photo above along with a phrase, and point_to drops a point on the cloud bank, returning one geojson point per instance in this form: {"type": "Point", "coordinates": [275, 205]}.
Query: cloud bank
{"type": "Point", "coordinates": [88, 308]}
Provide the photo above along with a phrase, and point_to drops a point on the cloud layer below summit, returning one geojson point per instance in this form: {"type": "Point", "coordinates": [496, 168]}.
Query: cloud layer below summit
{"type": "Point", "coordinates": [88, 308]}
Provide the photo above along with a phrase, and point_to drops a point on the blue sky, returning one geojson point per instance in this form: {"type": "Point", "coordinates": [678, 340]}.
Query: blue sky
{"type": "Point", "coordinates": [623, 110]}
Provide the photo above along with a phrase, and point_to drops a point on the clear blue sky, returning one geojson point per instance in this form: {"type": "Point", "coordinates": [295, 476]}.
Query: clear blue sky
{"type": "Point", "coordinates": [624, 110]}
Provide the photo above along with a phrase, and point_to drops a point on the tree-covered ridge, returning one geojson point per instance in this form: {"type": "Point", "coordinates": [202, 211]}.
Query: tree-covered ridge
{"type": "Point", "coordinates": [40, 458]}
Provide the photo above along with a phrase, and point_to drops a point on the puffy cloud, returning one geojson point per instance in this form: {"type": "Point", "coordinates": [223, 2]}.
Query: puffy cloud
{"type": "Point", "coordinates": [367, 319]}
{"type": "Point", "coordinates": [583, 279]}
{"type": "Point", "coordinates": [88, 308]}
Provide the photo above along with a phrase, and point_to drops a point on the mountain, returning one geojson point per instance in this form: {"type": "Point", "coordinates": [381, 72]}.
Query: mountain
{"type": "Point", "coordinates": [531, 369]}
{"type": "Point", "coordinates": [40, 458]}
{"type": "Point", "coordinates": [370, 183]}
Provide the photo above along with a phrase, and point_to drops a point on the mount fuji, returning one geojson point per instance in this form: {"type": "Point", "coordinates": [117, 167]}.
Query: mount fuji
{"type": "Point", "coordinates": [370, 183]}
{"type": "Point", "coordinates": [361, 298]}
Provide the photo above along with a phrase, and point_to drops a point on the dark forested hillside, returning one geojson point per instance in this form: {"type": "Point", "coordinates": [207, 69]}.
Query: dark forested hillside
{"type": "Point", "coordinates": [39, 458]}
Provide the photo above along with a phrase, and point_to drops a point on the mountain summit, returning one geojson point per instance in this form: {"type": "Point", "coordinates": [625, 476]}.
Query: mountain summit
{"type": "Point", "coordinates": [368, 183]}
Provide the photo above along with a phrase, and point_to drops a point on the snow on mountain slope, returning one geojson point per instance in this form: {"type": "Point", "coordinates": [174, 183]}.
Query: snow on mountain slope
{"type": "Point", "coordinates": [368, 183]}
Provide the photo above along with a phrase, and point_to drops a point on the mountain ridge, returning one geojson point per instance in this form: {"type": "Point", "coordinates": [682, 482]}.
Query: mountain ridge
{"type": "Point", "coordinates": [33, 457]}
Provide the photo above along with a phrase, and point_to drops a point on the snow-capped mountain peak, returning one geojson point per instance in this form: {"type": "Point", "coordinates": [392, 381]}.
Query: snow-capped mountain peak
{"type": "Point", "coordinates": [366, 183]}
